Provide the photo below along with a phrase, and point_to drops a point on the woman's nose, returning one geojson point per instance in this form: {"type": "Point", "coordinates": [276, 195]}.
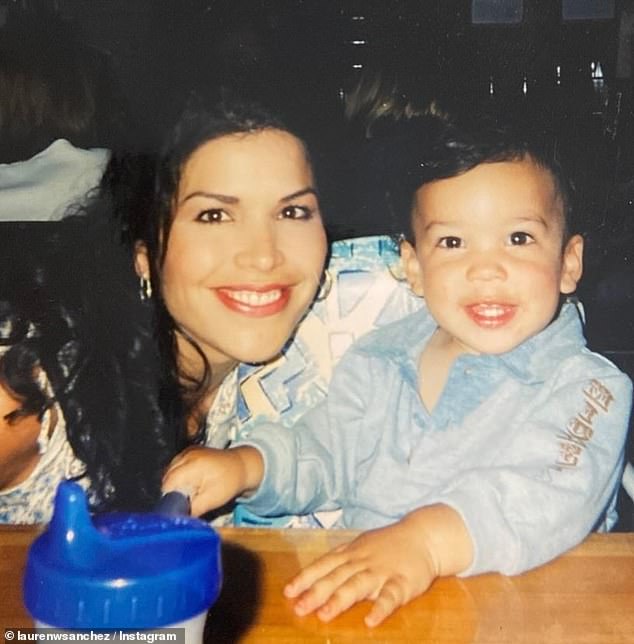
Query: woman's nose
{"type": "Point", "coordinates": [260, 251]}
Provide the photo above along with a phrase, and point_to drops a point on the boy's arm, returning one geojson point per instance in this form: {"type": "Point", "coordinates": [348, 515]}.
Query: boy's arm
{"type": "Point", "coordinates": [513, 513]}
{"type": "Point", "coordinates": [280, 470]}
{"type": "Point", "coordinates": [309, 466]}
{"type": "Point", "coordinates": [389, 566]}
{"type": "Point", "coordinates": [544, 490]}
{"type": "Point", "coordinates": [213, 477]}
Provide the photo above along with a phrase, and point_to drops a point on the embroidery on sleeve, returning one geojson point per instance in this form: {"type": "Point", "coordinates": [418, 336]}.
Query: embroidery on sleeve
{"type": "Point", "coordinates": [579, 429]}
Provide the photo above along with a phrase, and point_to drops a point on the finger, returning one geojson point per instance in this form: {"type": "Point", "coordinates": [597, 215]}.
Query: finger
{"type": "Point", "coordinates": [390, 597]}
{"type": "Point", "coordinates": [199, 505]}
{"type": "Point", "coordinates": [324, 588]}
{"type": "Point", "coordinates": [358, 587]}
{"type": "Point", "coordinates": [179, 458]}
{"type": "Point", "coordinates": [312, 573]}
{"type": "Point", "coordinates": [181, 478]}
{"type": "Point", "coordinates": [178, 461]}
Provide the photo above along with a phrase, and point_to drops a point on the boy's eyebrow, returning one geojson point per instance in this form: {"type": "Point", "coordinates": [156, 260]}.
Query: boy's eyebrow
{"type": "Point", "coordinates": [433, 223]}
{"type": "Point", "coordinates": [540, 219]}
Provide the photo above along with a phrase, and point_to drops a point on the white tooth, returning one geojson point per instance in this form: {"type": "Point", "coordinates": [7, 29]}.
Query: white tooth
{"type": "Point", "coordinates": [490, 311]}
{"type": "Point", "coordinates": [254, 298]}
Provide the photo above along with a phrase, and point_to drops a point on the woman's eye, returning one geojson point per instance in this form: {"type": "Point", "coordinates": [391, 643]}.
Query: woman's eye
{"type": "Point", "coordinates": [13, 416]}
{"type": "Point", "coordinates": [213, 216]}
{"type": "Point", "coordinates": [520, 238]}
{"type": "Point", "coordinates": [450, 242]}
{"type": "Point", "coordinates": [296, 212]}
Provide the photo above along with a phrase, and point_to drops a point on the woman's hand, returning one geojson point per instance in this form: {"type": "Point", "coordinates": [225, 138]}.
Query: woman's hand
{"type": "Point", "coordinates": [389, 566]}
{"type": "Point", "coordinates": [213, 477]}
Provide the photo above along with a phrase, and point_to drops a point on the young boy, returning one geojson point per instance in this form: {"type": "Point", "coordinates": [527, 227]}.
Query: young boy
{"type": "Point", "coordinates": [479, 434]}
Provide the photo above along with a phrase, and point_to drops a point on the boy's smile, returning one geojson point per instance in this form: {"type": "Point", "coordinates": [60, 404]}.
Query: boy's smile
{"type": "Point", "coordinates": [490, 315]}
{"type": "Point", "coordinates": [489, 256]}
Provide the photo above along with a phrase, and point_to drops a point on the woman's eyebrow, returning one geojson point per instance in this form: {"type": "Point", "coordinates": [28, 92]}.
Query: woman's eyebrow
{"type": "Point", "coordinates": [210, 195]}
{"type": "Point", "coordinates": [300, 193]}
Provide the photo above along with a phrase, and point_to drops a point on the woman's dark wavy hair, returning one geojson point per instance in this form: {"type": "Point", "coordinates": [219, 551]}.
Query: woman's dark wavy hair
{"type": "Point", "coordinates": [438, 148]}
{"type": "Point", "coordinates": [140, 189]}
{"type": "Point", "coordinates": [81, 322]}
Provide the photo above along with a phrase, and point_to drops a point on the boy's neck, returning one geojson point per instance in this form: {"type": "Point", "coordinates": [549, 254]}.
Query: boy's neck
{"type": "Point", "coordinates": [434, 365]}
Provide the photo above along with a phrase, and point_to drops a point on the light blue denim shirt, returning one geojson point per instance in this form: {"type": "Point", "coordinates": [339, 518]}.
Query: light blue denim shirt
{"type": "Point", "coordinates": [526, 446]}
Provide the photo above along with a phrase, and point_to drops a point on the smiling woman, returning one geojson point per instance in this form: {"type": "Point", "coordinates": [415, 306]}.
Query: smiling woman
{"type": "Point", "coordinates": [246, 248]}
{"type": "Point", "coordinates": [229, 249]}
{"type": "Point", "coordinates": [218, 326]}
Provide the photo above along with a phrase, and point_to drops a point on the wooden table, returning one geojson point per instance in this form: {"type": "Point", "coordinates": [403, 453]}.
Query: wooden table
{"type": "Point", "coordinates": [584, 597]}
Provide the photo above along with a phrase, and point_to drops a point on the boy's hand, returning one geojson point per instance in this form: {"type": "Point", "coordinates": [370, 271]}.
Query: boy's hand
{"type": "Point", "coordinates": [213, 477]}
{"type": "Point", "coordinates": [389, 566]}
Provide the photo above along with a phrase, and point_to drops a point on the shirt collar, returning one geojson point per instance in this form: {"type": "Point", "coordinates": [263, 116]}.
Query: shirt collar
{"type": "Point", "coordinates": [534, 359]}
{"type": "Point", "coordinates": [531, 361]}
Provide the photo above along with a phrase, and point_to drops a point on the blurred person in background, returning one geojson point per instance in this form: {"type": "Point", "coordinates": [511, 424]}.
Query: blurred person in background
{"type": "Point", "coordinates": [59, 116]}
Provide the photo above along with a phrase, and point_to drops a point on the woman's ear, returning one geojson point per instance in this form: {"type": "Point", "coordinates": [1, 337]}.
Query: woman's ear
{"type": "Point", "coordinates": [141, 261]}
{"type": "Point", "coordinates": [412, 268]}
{"type": "Point", "coordinates": [572, 265]}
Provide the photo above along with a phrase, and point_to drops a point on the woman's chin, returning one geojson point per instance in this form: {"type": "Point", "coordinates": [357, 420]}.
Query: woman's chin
{"type": "Point", "coordinates": [258, 354]}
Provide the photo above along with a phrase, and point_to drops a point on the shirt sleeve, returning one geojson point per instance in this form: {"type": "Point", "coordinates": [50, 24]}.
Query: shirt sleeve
{"type": "Point", "coordinates": [551, 484]}
{"type": "Point", "coordinates": [310, 466]}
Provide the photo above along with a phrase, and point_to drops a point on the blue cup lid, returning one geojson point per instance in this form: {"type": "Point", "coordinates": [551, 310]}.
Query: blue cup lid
{"type": "Point", "coordinates": [119, 570]}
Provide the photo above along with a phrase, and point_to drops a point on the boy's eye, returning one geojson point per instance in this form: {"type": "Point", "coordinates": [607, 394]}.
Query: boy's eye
{"type": "Point", "coordinates": [296, 212]}
{"type": "Point", "coordinates": [520, 238]}
{"type": "Point", "coordinates": [450, 242]}
{"type": "Point", "coordinates": [213, 216]}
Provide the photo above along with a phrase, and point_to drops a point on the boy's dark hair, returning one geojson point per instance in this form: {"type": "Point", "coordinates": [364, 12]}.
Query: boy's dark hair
{"type": "Point", "coordinates": [439, 149]}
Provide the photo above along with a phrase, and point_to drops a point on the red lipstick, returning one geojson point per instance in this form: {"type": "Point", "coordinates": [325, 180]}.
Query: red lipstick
{"type": "Point", "coordinates": [254, 301]}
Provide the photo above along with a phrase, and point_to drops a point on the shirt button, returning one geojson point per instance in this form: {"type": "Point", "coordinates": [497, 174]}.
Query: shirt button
{"type": "Point", "coordinates": [468, 371]}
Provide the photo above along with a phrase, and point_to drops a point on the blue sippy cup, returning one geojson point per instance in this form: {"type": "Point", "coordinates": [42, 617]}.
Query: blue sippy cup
{"type": "Point", "coordinates": [121, 571]}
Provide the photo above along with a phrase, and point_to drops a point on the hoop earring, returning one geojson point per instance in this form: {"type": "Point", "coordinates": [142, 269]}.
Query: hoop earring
{"type": "Point", "coordinates": [325, 286]}
{"type": "Point", "coordinates": [145, 288]}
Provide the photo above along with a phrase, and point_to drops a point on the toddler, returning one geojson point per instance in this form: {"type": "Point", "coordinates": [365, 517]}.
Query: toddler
{"type": "Point", "coordinates": [478, 434]}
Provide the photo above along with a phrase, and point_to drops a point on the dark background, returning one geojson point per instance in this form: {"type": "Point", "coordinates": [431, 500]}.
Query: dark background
{"type": "Point", "coordinates": [310, 52]}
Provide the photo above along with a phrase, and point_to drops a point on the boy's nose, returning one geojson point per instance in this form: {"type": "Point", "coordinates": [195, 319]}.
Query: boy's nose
{"type": "Point", "coordinates": [485, 267]}
{"type": "Point", "coordinates": [260, 251]}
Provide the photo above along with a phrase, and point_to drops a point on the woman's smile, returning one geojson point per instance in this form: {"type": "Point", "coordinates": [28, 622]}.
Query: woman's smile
{"type": "Point", "coordinates": [255, 301]}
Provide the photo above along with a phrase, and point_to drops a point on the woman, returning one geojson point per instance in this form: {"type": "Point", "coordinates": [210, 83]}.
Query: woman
{"type": "Point", "coordinates": [225, 231]}
{"type": "Point", "coordinates": [229, 246]}
{"type": "Point", "coordinates": [229, 250]}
